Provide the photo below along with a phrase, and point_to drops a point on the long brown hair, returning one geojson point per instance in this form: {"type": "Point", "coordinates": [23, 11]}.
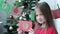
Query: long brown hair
{"type": "Point", "coordinates": [45, 9]}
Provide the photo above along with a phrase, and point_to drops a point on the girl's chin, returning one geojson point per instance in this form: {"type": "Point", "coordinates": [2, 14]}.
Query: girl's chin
{"type": "Point", "coordinates": [41, 22]}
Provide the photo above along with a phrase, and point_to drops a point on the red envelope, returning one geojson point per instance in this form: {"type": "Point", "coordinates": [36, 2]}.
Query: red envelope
{"type": "Point", "coordinates": [56, 13]}
{"type": "Point", "coordinates": [25, 25]}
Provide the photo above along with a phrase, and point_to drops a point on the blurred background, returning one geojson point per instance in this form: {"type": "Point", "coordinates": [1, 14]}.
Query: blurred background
{"type": "Point", "coordinates": [13, 10]}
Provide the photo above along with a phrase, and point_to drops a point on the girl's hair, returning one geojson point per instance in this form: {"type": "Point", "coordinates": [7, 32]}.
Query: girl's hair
{"type": "Point", "coordinates": [45, 9]}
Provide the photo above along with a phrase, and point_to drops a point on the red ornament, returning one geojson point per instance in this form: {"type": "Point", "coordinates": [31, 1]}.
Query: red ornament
{"type": "Point", "coordinates": [11, 17]}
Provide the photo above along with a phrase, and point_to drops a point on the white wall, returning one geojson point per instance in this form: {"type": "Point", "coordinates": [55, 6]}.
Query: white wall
{"type": "Point", "coordinates": [57, 24]}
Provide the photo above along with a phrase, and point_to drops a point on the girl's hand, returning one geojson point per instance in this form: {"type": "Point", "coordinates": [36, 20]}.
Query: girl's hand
{"type": "Point", "coordinates": [19, 31]}
{"type": "Point", "coordinates": [31, 31]}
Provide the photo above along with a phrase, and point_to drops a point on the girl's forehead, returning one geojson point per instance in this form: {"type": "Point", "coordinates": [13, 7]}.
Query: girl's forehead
{"type": "Point", "coordinates": [37, 11]}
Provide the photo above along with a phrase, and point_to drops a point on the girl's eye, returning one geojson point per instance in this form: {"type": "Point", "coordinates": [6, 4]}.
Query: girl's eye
{"type": "Point", "coordinates": [40, 14]}
{"type": "Point", "coordinates": [36, 15]}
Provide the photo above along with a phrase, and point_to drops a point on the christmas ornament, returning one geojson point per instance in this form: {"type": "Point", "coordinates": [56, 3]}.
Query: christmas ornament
{"type": "Point", "coordinates": [10, 27]}
{"type": "Point", "coordinates": [11, 17]}
{"type": "Point", "coordinates": [19, 0]}
{"type": "Point", "coordinates": [20, 18]}
{"type": "Point", "coordinates": [24, 19]}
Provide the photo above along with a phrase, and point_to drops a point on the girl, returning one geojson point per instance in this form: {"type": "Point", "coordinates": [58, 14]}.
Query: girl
{"type": "Point", "coordinates": [44, 20]}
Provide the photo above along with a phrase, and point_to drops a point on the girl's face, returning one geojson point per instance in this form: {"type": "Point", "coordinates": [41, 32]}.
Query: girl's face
{"type": "Point", "coordinates": [39, 16]}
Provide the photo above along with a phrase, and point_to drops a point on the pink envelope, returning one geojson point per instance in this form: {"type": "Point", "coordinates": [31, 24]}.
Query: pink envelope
{"type": "Point", "coordinates": [25, 25]}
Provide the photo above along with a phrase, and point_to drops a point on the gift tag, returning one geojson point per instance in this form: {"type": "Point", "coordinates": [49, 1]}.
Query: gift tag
{"type": "Point", "coordinates": [15, 11]}
{"type": "Point", "coordinates": [25, 25]}
{"type": "Point", "coordinates": [5, 6]}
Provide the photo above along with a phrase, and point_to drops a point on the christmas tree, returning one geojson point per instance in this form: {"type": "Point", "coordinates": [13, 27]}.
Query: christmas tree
{"type": "Point", "coordinates": [28, 8]}
{"type": "Point", "coordinates": [11, 25]}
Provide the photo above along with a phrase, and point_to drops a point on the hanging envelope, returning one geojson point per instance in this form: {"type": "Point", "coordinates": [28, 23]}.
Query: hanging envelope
{"type": "Point", "coordinates": [56, 13]}
{"type": "Point", "coordinates": [5, 6]}
{"type": "Point", "coordinates": [25, 25]}
{"type": "Point", "coordinates": [15, 11]}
